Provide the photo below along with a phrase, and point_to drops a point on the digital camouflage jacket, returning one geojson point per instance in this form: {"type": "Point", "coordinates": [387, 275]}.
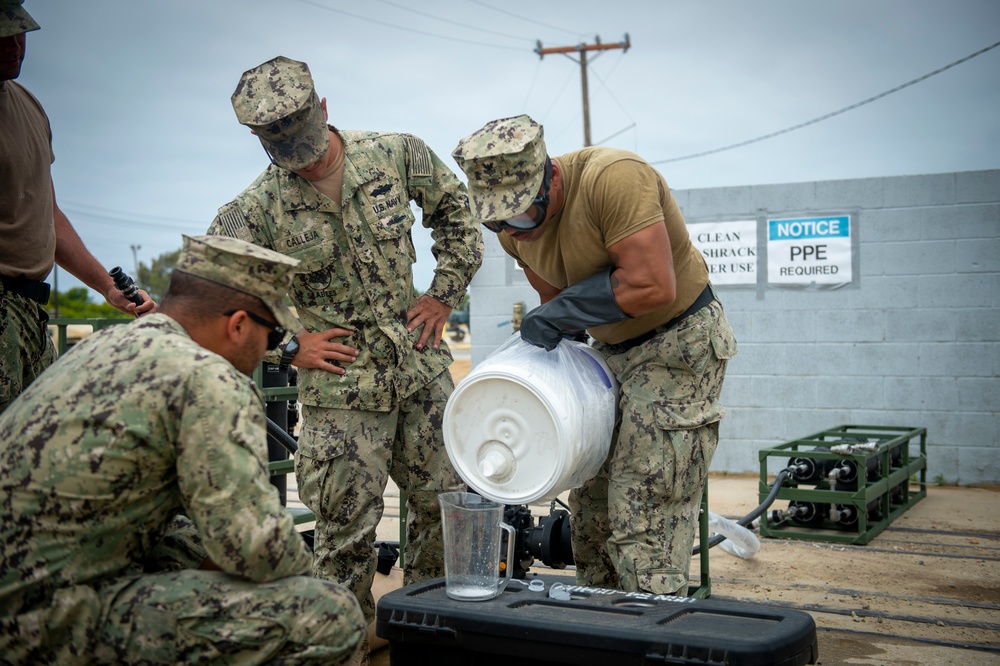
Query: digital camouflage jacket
{"type": "Point", "coordinates": [357, 257]}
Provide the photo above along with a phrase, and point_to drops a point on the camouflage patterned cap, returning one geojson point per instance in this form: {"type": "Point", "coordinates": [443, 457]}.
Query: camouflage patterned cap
{"type": "Point", "coordinates": [278, 102]}
{"type": "Point", "coordinates": [244, 267]}
{"type": "Point", "coordinates": [14, 19]}
{"type": "Point", "coordinates": [505, 164]}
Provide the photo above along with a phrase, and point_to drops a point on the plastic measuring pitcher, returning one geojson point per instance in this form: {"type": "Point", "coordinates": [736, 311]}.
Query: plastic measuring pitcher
{"type": "Point", "coordinates": [472, 537]}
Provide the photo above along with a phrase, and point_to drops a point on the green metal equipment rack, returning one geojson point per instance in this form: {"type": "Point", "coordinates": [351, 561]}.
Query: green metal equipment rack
{"type": "Point", "coordinates": [895, 459]}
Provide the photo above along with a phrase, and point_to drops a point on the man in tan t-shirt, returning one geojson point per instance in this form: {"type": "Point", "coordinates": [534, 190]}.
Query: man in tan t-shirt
{"type": "Point", "coordinates": [604, 244]}
{"type": "Point", "coordinates": [34, 233]}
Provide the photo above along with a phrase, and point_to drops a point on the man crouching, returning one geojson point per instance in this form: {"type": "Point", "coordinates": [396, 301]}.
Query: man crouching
{"type": "Point", "coordinates": [138, 424]}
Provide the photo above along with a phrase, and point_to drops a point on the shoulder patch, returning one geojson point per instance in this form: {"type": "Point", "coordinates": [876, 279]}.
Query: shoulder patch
{"type": "Point", "coordinates": [234, 224]}
{"type": "Point", "coordinates": [420, 156]}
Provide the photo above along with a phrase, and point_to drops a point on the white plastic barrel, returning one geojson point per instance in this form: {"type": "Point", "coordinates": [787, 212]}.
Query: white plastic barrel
{"type": "Point", "coordinates": [526, 425]}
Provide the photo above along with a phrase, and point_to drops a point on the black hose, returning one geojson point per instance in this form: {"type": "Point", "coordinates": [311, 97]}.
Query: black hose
{"type": "Point", "coordinates": [282, 437]}
{"type": "Point", "coordinates": [779, 480]}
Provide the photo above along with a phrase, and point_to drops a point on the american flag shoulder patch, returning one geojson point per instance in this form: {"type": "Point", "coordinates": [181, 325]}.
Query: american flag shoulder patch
{"type": "Point", "coordinates": [420, 157]}
{"type": "Point", "coordinates": [235, 224]}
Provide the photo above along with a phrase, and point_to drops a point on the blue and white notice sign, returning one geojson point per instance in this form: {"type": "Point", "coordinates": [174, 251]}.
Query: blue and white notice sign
{"type": "Point", "coordinates": [809, 250]}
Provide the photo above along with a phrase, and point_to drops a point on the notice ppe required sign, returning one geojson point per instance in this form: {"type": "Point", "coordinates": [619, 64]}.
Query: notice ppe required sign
{"type": "Point", "coordinates": [811, 250]}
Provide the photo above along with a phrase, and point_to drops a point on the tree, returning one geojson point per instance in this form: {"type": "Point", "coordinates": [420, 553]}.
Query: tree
{"type": "Point", "coordinates": [155, 278]}
{"type": "Point", "coordinates": [75, 304]}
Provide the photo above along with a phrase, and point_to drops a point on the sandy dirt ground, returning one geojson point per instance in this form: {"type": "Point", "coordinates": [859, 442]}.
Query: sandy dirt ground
{"type": "Point", "coordinates": [924, 591]}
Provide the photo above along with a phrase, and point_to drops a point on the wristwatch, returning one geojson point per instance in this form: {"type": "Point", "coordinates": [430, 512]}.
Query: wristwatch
{"type": "Point", "coordinates": [288, 353]}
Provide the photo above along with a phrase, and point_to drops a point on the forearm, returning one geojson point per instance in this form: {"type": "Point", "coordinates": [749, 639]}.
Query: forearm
{"type": "Point", "coordinates": [72, 255]}
{"type": "Point", "coordinates": [458, 239]}
{"type": "Point", "coordinates": [458, 251]}
{"type": "Point", "coordinates": [590, 302]}
{"type": "Point", "coordinates": [450, 284]}
{"type": "Point", "coordinates": [266, 548]}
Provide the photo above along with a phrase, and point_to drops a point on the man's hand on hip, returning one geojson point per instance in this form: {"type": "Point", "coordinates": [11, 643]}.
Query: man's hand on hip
{"type": "Point", "coordinates": [318, 350]}
{"type": "Point", "coordinates": [432, 314]}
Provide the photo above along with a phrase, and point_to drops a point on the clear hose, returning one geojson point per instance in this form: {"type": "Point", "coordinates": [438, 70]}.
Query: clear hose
{"type": "Point", "coordinates": [739, 541]}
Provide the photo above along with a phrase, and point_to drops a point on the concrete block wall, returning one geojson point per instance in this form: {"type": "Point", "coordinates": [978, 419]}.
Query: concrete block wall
{"type": "Point", "coordinates": [914, 342]}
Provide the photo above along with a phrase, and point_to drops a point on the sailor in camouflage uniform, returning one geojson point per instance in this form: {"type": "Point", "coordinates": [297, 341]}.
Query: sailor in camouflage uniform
{"type": "Point", "coordinates": [373, 371]}
{"type": "Point", "coordinates": [603, 242]}
{"type": "Point", "coordinates": [140, 423]}
{"type": "Point", "coordinates": [34, 232]}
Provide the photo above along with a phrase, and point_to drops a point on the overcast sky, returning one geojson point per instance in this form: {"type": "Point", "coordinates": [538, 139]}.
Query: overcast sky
{"type": "Point", "coordinates": [147, 146]}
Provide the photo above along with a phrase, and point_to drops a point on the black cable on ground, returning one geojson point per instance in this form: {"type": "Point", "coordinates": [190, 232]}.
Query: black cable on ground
{"type": "Point", "coordinates": [779, 480]}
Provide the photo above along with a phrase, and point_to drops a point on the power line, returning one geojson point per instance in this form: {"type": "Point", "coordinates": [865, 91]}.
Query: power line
{"type": "Point", "coordinates": [111, 216]}
{"type": "Point", "coordinates": [319, 5]}
{"type": "Point", "coordinates": [621, 131]}
{"type": "Point", "coordinates": [531, 86]}
{"type": "Point", "coordinates": [405, 29]}
{"type": "Point", "coordinates": [832, 114]}
{"type": "Point", "coordinates": [581, 50]}
{"type": "Point", "coordinates": [604, 86]}
{"type": "Point", "coordinates": [528, 20]}
{"type": "Point", "coordinates": [569, 77]}
{"type": "Point", "coordinates": [444, 20]}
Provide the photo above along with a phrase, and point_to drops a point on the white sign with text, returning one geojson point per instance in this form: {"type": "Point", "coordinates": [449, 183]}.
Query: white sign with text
{"type": "Point", "coordinates": [729, 248]}
{"type": "Point", "coordinates": [809, 250]}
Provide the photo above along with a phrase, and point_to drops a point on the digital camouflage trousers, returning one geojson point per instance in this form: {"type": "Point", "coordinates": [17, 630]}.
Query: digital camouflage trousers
{"type": "Point", "coordinates": [633, 524]}
{"type": "Point", "coordinates": [344, 462]}
{"type": "Point", "coordinates": [181, 615]}
{"type": "Point", "coordinates": [25, 347]}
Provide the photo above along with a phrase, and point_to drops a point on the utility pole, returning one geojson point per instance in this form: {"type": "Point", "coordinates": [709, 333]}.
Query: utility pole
{"type": "Point", "coordinates": [582, 49]}
{"type": "Point", "coordinates": [55, 291]}
{"type": "Point", "coordinates": [135, 260]}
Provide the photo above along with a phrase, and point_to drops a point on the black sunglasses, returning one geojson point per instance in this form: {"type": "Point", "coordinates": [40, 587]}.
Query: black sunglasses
{"type": "Point", "coordinates": [277, 333]}
{"type": "Point", "coordinates": [524, 221]}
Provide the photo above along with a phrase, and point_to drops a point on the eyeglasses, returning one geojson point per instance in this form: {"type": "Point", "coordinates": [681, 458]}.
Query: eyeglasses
{"type": "Point", "coordinates": [277, 333]}
{"type": "Point", "coordinates": [533, 217]}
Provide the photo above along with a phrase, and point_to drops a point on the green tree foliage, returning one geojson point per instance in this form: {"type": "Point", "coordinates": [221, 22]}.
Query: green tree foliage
{"type": "Point", "coordinates": [75, 303]}
{"type": "Point", "coordinates": [155, 278]}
